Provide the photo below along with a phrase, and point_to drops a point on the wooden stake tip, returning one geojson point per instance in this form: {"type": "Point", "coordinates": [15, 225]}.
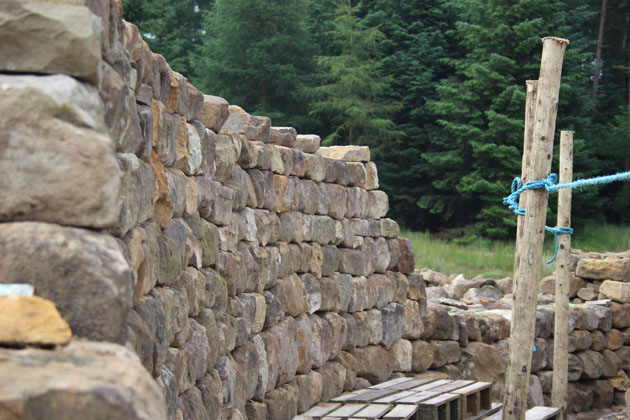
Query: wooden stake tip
{"type": "Point", "coordinates": [557, 39]}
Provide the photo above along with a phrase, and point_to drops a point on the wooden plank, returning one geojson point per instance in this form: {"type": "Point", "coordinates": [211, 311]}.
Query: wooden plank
{"type": "Point", "coordinates": [395, 397]}
{"type": "Point", "coordinates": [372, 411]}
{"type": "Point", "coordinates": [401, 412]}
{"type": "Point", "coordinates": [431, 385]}
{"type": "Point", "coordinates": [529, 261]}
{"type": "Point", "coordinates": [451, 386]}
{"type": "Point", "coordinates": [474, 387]}
{"type": "Point", "coordinates": [371, 395]}
{"type": "Point", "coordinates": [346, 410]}
{"type": "Point", "coordinates": [563, 260]}
{"type": "Point", "coordinates": [390, 383]}
{"type": "Point", "coordinates": [440, 399]}
{"type": "Point", "coordinates": [411, 384]}
{"type": "Point", "coordinates": [417, 397]}
{"type": "Point", "coordinates": [321, 409]}
{"type": "Point", "coordinates": [345, 397]}
{"type": "Point", "coordinates": [542, 413]}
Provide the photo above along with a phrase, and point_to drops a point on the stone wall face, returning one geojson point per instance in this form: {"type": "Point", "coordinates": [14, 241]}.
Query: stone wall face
{"type": "Point", "coordinates": [254, 273]}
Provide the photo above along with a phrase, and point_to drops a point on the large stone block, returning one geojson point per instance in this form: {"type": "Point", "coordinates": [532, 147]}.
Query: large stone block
{"type": "Point", "coordinates": [347, 153]}
{"type": "Point", "coordinates": [282, 402]}
{"type": "Point", "coordinates": [378, 204]}
{"type": "Point", "coordinates": [28, 46]}
{"type": "Point", "coordinates": [604, 269]}
{"type": "Point", "coordinates": [445, 352]}
{"type": "Point", "coordinates": [333, 380]}
{"type": "Point", "coordinates": [251, 126]}
{"type": "Point", "coordinates": [616, 290]}
{"type": "Point", "coordinates": [414, 328]}
{"type": "Point", "coordinates": [100, 380]}
{"type": "Point", "coordinates": [592, 364]}
{"type": "Point", "coordinates": [282, 352]}
{"type": "Point", "coordinates": [214, 112]}
{"type": "Point", "coordinates": [377, 364]}
{"type": "Point", "coordinates": [283, 136]}
{"type": "Point", "coordinates": [290, 293]}
{"type": "Point", "coordinates": [402, 351]}
{"type": "Point", "coordinates": [51, 256]}
{"type": "Point", "coordinates": [55, 146]}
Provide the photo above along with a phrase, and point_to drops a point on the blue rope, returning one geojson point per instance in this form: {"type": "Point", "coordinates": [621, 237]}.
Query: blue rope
{"type": "Point", "coordinates": [550, 184]}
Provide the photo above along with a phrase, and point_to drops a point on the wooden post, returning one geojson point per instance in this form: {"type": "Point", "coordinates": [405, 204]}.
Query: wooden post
{"type": "Point", "coordinates": [563, 259]}
{"type": "Point", "coordinates": [529, 258]}
{"type": "Point", "coordinates": [530, 108]}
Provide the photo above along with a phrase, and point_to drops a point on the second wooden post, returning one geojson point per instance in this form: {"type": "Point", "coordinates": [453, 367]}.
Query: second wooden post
{"type": "Point", "coordinates": [561, 331]}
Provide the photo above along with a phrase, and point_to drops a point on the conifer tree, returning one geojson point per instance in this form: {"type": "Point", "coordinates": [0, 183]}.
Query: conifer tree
{"type": "Point", "coordinates": [351, 87]}
{"type": "Point", "coordinates": [480, 107]}
{"type": "Point", "coordinates": [257, 54]}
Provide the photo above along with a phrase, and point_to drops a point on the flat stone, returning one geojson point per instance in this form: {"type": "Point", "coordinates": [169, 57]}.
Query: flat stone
{"type": "Point", "coordinates": [47, 255]}
{"type": "Point", "coordinates": [604, 269]}
{"type": "Point", "coordinates": [27, 46]}
{"type": "Point", "coordinates": [616, 290]}
{"type": "Point", "coordinates": [347, 153]}
{"type": "Point", "coordinates": [31, 320]}
{"type": "Point", "coordinates": [282, 136]}
{"type": "Point", "coordinates": [308, 143]}
{"type": "Point", "coordinates": [100, 380]}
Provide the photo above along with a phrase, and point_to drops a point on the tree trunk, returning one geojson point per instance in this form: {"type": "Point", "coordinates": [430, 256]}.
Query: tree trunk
{"type": "Point", "coordinates": [598, 56]}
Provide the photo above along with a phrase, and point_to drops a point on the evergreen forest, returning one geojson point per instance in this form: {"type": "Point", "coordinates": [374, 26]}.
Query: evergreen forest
{"type": "Point", "coordinates": [436, 88]}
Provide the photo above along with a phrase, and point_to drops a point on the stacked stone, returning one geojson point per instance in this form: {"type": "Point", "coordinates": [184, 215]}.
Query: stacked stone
{"type": "Point", "coordinates": [596, 276]}
{"type": "Point", "coordinates": [261, 272]}
{"type": "Point", "coordinates": [266, 276]}
{"type": "Point", "coordinates": [598, 346]}
{"type": "Point", "coordinates": [60, 183]}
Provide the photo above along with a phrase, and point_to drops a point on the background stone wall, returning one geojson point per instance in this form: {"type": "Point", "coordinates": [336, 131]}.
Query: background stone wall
{"type": "Point", "coordinates": [253, 273]}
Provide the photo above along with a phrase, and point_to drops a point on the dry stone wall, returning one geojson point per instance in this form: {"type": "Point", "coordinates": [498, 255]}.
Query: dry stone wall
{"type": "Point", "coordinates": [252, 272]}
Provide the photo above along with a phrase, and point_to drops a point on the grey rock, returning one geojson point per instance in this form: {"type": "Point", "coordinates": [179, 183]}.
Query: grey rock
{"type": "Point", "coordinates": [28, 48]}
{"type": "Point", "coordinates": [53, 131]}
{"type": "Point", "coordinates": [43, 254]}
{"type": "Point", "coordinates": [100, 379]}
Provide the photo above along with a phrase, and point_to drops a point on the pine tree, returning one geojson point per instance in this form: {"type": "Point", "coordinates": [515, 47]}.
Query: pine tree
{"type": "Point", "coordinates": [481, 106]}
{"type": "Point", "coordinates": [351, 86]}
{"type": "Point", "coordinates": [257, 54]}
{"type": "Point", "coordinates": [415, 43]}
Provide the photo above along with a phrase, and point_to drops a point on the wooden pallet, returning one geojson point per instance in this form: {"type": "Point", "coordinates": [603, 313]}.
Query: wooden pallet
{"type": "Point", "coordinates": [475, 398]}
{"type": "Point", "coordinates": [414, 399]}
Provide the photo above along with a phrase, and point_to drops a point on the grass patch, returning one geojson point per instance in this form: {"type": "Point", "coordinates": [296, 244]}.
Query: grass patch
{"type": "Point", "coordinates": [496, 258]}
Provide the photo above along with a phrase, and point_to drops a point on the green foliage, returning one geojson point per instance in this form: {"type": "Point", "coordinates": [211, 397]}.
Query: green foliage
{"type": "Point", "coordinates": [480, 106]}
{"type": "Point", "coordinates": [257, 54]}
{"type": "Point", "coordinates": [496, 258]}
{"type": "Point", "coordinates": [350, 88]}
